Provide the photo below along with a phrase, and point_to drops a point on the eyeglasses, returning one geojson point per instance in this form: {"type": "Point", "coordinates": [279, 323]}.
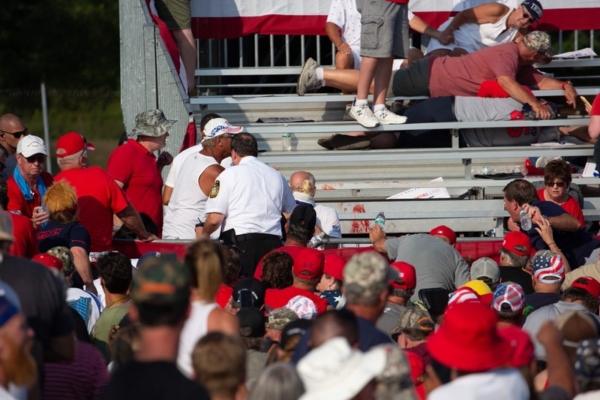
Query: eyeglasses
{"type": "Point", "coordinates": [36, 157]}
{"type": "Point", "coordinates": [17, 134]}
{"type": "Point", "coordinates": [527, 16]}
{"type": "Point", "coordinates": [557, 184]}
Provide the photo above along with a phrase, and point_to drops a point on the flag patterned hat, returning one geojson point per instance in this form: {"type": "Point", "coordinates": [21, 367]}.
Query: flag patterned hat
{"type": "Point", "coordinates": [509, 297]}
{"type": "Point", "coordinates": [548, 267]}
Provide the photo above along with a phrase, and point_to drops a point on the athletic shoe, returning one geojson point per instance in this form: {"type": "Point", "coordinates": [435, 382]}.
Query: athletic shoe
{"type": "Point", "coordinates": [347, 116]}
{"type": "Point", "coordinates": [386, 117]}
{"type": "Point", "coordinates": [345, 142]}
{"type": "Point", "coordinates": [326, 142]}
{"type": "Point", "coordinates": [364, 116]}
{"type": "Point", "coordinates": [308, 78]}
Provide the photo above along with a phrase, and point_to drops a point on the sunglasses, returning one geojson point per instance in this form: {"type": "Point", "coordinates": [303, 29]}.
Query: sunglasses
{"type": "Point", "coordinates": [557, 184]}
{"type": "Point", "coordinates": [528, 16]}
{"type": "Point", "coordinates": [17, 134]}
{"type": "Point", "coordinates": [36, 157]}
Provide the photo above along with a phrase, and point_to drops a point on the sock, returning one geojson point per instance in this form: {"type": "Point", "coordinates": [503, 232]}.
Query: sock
{"type": "Point", "coordinates": [358, 102]}
{"type": "Point", "coordinates": [319, 73]}
{"type": "Point", "coordinates": [378, 107]}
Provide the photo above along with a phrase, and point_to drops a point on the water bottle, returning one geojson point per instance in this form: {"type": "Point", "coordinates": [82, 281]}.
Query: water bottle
{"type": "Point", "coordinates": [525, 220]}
{"type": "Point", "coordinates": [286, 142]}
{"type": "Point", "coordinates": [380, 220]}
{"type": "Point", "coordinates": [316, 240]}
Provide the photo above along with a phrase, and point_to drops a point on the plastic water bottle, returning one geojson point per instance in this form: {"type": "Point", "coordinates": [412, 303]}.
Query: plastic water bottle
{"type": "Point", "coordinates": [316, 240]}
{"type": "Point", "coordinates": [380, 220]}
{"type": "Point", "coordinates": [525, 220]}
{"type": "Point", "coordinates": [286, 142]}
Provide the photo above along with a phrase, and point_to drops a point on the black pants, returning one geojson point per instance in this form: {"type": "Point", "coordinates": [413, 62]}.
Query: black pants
{"type": "Point", "coordinates": [253, 251]}
{"type": "Point", "coordinates": [440, 109]}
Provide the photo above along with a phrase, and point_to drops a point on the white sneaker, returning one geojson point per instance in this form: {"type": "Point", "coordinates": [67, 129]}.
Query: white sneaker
{"type": "Point", "coordinates": [308, 78]}
{"type": "Point", "coordinates": [347, 116]}
{"type": "Point", "coordinates": [364, 116]}
{"type": "Point", "coordinates": [386, 117]}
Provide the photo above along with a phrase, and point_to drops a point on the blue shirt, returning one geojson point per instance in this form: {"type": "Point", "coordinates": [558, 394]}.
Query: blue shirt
{"type": "Point", "coordinates": [68, 235]}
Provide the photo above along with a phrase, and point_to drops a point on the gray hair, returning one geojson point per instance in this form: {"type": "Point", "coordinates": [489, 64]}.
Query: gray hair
{"type": "Point", "coordinates": [513, 259]}
{"type": "Point", "coordinates": [72, 159]}
{"type": "Point", "coordinates": [209, 143]}
{"type": "Point", "coordinates": [278, 381]}
{"type": "Point", "coordinates": [356, 294]}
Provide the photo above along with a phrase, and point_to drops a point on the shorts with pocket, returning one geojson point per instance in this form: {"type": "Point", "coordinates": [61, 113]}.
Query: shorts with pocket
{"type": "Point", "coordinates": [175, 13]}
{"type": "Point", "coordinates": [384, 29]}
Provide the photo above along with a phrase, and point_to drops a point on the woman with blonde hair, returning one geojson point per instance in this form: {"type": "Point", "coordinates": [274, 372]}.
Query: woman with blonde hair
{"type": "Point", "coordinates": [204, 259]}
{"type": "Point", "coordinates": [64, 229]}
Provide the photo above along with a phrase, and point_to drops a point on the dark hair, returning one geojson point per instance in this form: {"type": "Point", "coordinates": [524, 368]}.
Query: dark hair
{"type": "Point", "coordinates": [336, 282]}
{"type": "Point", "coordinates": [299, 233]}
{"type": "Point", "coordinates": [557, 169]}
{"type": "Point", "coordinates": [244, 144]}
{"type": "Point", "coordinates": [81, 332]}
{"type": "Point", "coordinates": [3, 193]}
{"type": "Point", "coordinates": [510, 317]}
{"type": "Point", "coordinates": [277, 270]}
{"type": "Point", "coordinates": [521, 191]}
{"type": "Point", "coordinates": [582, 295]}
{"type": "Point", "coordinates": [232, 265]}
{"type": "Point", "coordinates": [404, 294]}
{"type": "Point", "coordinates": [335, 323]}
{"type": "Point", "coordinates": [205, 120]}
{"type": "Point", "coordinates": [116, 271]}
{"type": "Point", "coordinates": [488, 281]}
{"type": "Point", "coordinates": [160, 312]}
{"type": "Point", "coordinates": [252, 343]}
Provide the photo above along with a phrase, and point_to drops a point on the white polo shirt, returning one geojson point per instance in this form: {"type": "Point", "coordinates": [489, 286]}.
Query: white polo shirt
{"type": "Point", "coordinates": [178, 162]}
{"type": "Point", "coordinates": [251, 196]}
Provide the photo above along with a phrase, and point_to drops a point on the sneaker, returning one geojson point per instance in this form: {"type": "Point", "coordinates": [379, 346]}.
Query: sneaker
{"type": "Point", "coordinates": [347, 116]}
{"type": "Point", "coordinates": [364, 116]}
{"type": "Point", "coordinates": [345, 142]}
{"type": "Point", "coordinates": [308, 78]}
{"type": "Point", "coordinates": [386, 117]}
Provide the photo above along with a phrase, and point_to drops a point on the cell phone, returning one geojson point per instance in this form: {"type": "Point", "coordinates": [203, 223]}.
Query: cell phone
{"type": "Point", "coordinates": [585, 101]}
{"type": "Point", "coordinates": [245, 298]}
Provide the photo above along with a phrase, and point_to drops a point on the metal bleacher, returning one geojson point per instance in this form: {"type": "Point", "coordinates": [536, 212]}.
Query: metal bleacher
{"type": "Point", "coordinates": [356, 183]}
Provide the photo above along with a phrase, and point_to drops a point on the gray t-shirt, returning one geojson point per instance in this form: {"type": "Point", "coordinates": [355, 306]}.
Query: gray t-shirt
{"type": "Point", "coordinates": [389, 319]}
{"type": "Point", "coordinates": [437, 264]}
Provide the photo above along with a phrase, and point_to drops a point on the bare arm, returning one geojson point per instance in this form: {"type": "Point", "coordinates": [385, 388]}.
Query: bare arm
{"type": "Point", "coordinates": [61, 348]}
{"type": "Point", "coordinates": [482, 14]}
{"type": "Point", "coordinates": [212, 223]}
{"type": "Point", "coordinates": [166, 196]}
{"type": "Point", "coordinates": [516, 91]}
{"type": "Point", "coordinates": [207, 180]}
{"type": "Point", "coordinates": [377, 237]}
{"type": "Point", "coordinates": [560, 369]}
{"type": "Point", "coordinates": [564, 222]}
{"type": "Point", "coordinates": [81, 260]}
{"type": "Point", "coordinates": [222, 321]}
{"type": "Point", "coordinates": [333, 32]}
{"type": "Point", "coordinates": [545, 231]}
{"type": "Point", "coordinates": [417, 24]}
{"type": "Point", "coordinates": [546, 83]}
{"type": "Point", "coordinates": [132, 220]}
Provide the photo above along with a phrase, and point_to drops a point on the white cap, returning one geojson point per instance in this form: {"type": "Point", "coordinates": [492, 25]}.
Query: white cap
{"type": "Point", "coordinates": [31, 145]}
{"type": "Point", "coordinates": [219, 126]}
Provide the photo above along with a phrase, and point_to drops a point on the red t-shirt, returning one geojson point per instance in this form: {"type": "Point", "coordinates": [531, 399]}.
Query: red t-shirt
{"type": "Point", "coordinates": [398, 1]}
{"type": "Point", "coordinates": [571, 206]}
{"type": "Point", "coordinates": [462, 76]}
{"type": "Point", "coordinates": [16, 201]}
{"type": "Point", "coordinates": [291, 250]}
{"type": "Point", "coordinates": [25, 244]}
{"type": "Point", "coordinates": [223, 295]}
{"type": "Point", "coordinates": [98, 198]}
{"type": "Point", "coordinates": [596, 106]}
{"type": "Point", "coordinates": [135, 167]}
{"type": "Point", "coordinates": [277, 298]}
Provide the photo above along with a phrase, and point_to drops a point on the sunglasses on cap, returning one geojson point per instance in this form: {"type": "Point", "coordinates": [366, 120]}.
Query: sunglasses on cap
{"type": "Point", "coordinates": [36, 157]}
{"type": "Point", "coordinates": [557, 184]}
{"type": "Point", "coordinates": [17, 135]}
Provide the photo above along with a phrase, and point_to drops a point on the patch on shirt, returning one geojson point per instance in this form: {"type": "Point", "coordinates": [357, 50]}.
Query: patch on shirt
{"type": "Point", "coordinates": [214, 192]}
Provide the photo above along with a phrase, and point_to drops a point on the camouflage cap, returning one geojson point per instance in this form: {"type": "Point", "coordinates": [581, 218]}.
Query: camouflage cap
{"type": "Point", "coordinates": [280, 317]}
{"type": "Point", "coordinates": [411, 319]}
{"type": "Point", "coordinates": [538, 41]}
{"type": "Point", "coordinates": [367, 274]}
{"type": "Point", "coordinates": [65, 255]}
{"type": "Point", "coordinates": [161, 283]}
{"type": "Point", "coordinates": [395, 382]}
{"type": "Point", "coordinates": [151, 123]}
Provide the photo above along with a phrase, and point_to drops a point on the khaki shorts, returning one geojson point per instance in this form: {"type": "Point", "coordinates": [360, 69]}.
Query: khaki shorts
{"type": "Point", "coordinates": [175, 13]}
{"type": "Point", "coordinates": [384, 29]}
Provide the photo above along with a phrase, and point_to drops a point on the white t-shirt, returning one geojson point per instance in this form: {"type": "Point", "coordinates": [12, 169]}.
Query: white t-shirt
{"type": "Point", "coordinates": [178, 162]}
{"type": "Point", "coordinates": [500, 384]}
{"type": "Point", "coordinates": [328, 220]}
{"type": "Point", "coordinates": [196, 326]}
{"type": "Point", "coordinates": [86, 304]}
{"type": "Point", "coordinates": [251, 196]}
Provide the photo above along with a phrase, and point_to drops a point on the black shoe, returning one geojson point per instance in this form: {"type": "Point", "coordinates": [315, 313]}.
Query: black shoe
{"type": "Point", "coordinates": [326, 142]}
{"type": "Point", "coordinates": [345, 142]}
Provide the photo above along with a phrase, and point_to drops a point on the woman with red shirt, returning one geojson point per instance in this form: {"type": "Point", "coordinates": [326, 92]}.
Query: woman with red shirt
{"type": "Point", "coordinates": [557, 176]}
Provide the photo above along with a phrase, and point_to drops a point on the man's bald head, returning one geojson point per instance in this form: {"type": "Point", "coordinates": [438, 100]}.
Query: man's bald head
{"type": "Point", "coordinates": [335, 323]}
{"type": "Point", "coordinates": [10, 124]}
{"type": "Point", "coordinates": [300, 176]}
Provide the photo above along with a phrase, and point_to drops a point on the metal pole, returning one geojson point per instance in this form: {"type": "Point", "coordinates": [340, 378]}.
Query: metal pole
{"type": "Point", "coordinates": [46, 129]}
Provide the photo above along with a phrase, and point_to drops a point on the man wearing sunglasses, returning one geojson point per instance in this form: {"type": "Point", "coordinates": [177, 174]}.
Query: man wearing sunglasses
{"type": "Point", "coordinates": [27, 186]}
{"type": "Point", "coordinates": [11, 131]}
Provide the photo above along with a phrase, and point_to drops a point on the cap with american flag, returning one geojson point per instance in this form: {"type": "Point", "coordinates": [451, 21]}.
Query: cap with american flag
{"type": "Point", "coordinates": [509, 297]}
{"type": "Point", "coordinates": [548, 267]}
{"type": "Point", "coordinates": [464, 294]}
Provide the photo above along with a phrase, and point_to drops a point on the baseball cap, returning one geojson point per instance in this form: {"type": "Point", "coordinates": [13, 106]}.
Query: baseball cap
{"type": "Point", "coordinates": [534, 7]}
{"type": "Point", "coordinates": [252, 322]}
{"type": "Point", "coordinates": [509, 297]}
{"type": "Point", "coordinates": [280, 317]}
{"type": "Point", "coordinates": [485, 267]}
{"type": "Point", "coordinates": [6, 227]}
{"type": "Point", "coordinates": [513, 239]}
{"type": "Point", "coordinates": [576, 326]}
{"type": "Point", "coordinates": [407, 277]}
{"type": "Point", "coordinates": [48, 260]}
{"type": "Point", "coordinates": [587, 360]}
{"type": "Point", "coordinates": [334, 266]}
{"type": "Point", "coordinates": [31, 145]}
{"type": "Point", "coordinates": [413, 318]}
{"type": "Point", "coordinates": [161, 285]}
{"type": "Point", "coordinates": [395, 381]}
{"type": "Point", "coordinates": [304, 307]}
{"type": "Point", "coordinates": [219, 126]}
{"type": "Point", "coordinates": [254, 286]}
{"type": "Point", "coordinates": [9, 303]}
{"type": "Point", "coordinates": [463, 295]}
{"type": "Point", "coordinates": [482, 289]}
{"type": "Point", "coordinates": [444, 231]}
{"type": "Point", "coordinates": [64, 254]}
{"type": "Point", "coordinates": [303, 216]}
{"type": "Point", "coordinates": [523, 350]}
{"type": "Point", "coordinates": [297, 327]}
{"type": "Point", "coordinates": [368, 273]}
{"type": "Point", "coordinates": [468, 339]}
{"type": "Point", "coordinates": [308, 264]}
{"type": "Point", "coordinates": [152, 123]}
{"type": "Point", "coordinates": [588, 284]}
{"type": "Point", "coordinates": [538, 41]}
{"type": "Point", "coordinates": [548, 267]}
{"type": "Point", "coordinates": [71, 143]}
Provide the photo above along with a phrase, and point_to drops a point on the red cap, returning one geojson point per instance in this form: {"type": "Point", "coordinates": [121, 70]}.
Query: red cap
{"type": "Point", "coordinates": [308, 264]}
{"type": "Point", "coordinates": [521, 344]}
{"type": "Point", "coordinates": [444, 231]}
{"type": "Point", "coordinates": [70, 143]}
{"type": "Point", "coordinates": [407, 278]}
{"type": "Point", "coordinates": [588, 284]}
{"type": "Point", "coordinates": [513, 239]}
{"type": "Point", "coordinates": [48, 260]}
{"type": "Point", "coordinates": [468, 339]}
{"type": "Point", "coordinates": [334, 266]}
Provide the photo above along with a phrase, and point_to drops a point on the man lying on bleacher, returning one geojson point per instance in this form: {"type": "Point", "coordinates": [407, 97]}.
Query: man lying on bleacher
{"type": "Point", "coordinates": [510, 64]}
{"type": "Point", "coordinates": [493, 104]}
